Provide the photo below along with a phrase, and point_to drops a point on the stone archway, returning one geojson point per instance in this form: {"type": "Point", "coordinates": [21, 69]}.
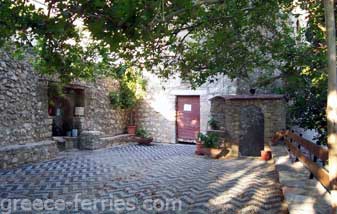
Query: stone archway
{"type": "Point", "coordinates": [251, 139]}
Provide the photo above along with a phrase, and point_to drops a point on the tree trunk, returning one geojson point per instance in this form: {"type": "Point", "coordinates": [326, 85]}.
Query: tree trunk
{"type": "Point", "coordinates": [332, 99]}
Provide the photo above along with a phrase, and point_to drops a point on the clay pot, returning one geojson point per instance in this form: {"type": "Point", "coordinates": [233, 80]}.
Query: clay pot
{"type": "Point", "coordinates": [266, 155]}
{"type": "Point", "coordinates": [144, 141]}
{"type": "Point", "coordinates": [132, 130]}
{"type": "Point", "coordinates": [199, 148]}
{"type": "Point", "coordinates": [214, 153]}
{"type": "Point", "coordinates": [206, 151]}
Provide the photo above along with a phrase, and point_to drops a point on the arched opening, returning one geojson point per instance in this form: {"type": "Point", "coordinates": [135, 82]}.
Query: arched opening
{"type": "Point", "coordinates": [251, 139]}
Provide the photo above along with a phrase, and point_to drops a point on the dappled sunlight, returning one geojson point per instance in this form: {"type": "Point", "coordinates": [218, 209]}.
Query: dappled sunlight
{"type": "Point", "coordinates": [332, 107]}
{"type": "Point", "coordinates": [250, 189]}
{"type": "Point", "coordinates": [239, 181]}
{"type": "Point", "coordinates": [301, 205]}
{"type": "Point", "coordinates": [282, 160]}
{"type": "Point", "coordinates": [224, 179]}
{"type": "Point", "coordinates": [298, 166]}
{"type": "Point", "coordinates": [161, 104]}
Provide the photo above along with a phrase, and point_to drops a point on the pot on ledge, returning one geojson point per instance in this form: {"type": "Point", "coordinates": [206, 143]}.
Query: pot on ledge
{"type": "Point", "coordinates": [144, 140]}
{"type": "Point", "coordinates": [132, 129]}
{"type": "Point", "coordinates": [199, 148]}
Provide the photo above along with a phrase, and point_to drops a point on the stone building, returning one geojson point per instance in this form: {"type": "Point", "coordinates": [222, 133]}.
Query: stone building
{"type": "Point", "coordinates": [247, 123]}
{"type": "Point", "coordinates": [158, 112]}
{"type": "Point", "coordinates": [167, 109]}
{"type": "Point", "coordinates": [27, 122]}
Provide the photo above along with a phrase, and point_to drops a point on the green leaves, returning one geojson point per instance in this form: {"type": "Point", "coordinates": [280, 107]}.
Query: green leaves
{"type": "Point", "coordinates": [205, 38]}
{"type": "Point", "coordinates": [210, 140]}
{"type": "Point", "coordinates": [196, 39]}
{"type": "Point", "coordinates": [131, 88]}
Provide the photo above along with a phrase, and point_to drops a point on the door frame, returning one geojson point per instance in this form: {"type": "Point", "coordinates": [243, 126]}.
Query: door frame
{"type": "Point", "coordinates": [176, 116]}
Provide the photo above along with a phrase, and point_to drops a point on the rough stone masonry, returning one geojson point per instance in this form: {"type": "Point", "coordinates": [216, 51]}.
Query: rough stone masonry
{"type": "Point", "coordinates": [25, 125]}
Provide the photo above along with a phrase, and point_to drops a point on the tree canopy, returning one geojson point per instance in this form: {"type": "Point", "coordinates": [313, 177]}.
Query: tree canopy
{"type": "Point", "coordinates": [198, 39]}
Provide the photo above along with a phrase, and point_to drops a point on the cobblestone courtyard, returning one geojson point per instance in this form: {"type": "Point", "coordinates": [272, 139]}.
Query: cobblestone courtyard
{"type": "Point", "coordinates": [149, 179]}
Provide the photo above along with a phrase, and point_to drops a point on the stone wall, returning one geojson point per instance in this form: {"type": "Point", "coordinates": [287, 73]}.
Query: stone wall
{"type": "Point", "coordinates": [226, 111]}
{"type": "Point", "coordinates": [25, 125]}
{"type": "Point", "coordinates": [24, 115]}
{"type": "Point", "coordinates": [16, 155]}
{"type": "Point", "coordinates": [157, 113]}
{"type": "Point", "coordinates": [99, 113]}
{"type": "Point", "coordinates": [23, 104]}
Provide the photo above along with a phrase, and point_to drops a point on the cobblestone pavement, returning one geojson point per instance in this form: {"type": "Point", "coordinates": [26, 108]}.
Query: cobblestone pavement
{"type": "Point", "coordinates": [143, 179]}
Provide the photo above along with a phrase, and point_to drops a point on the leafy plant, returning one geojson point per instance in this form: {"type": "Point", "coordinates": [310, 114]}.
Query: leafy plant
{"type": "Point", "coordinates": [131, 89]}
{"type": "Point", "coordinates": [142, 133]}
{"type": "Point", "coordinates": [115, 99]}
{"type": "Point", "coordinates": [210, 140]}
{"type": "Point", "coordinates": [55, 90]}
{"type": "Point", "coordinates": [213, 123]}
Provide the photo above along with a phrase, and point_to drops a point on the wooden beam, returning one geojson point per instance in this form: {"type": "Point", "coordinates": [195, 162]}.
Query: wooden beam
{"type": "Point", "coordinates": [321, 175]}
{"type": "Point", "coordinates": [318, 151]}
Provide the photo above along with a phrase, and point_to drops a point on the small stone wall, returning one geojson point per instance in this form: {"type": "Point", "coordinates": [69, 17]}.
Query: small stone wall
{"type": "Point", "coordinates": [226, 111]}
{"type": "Point", "coordinates": [16, 155]}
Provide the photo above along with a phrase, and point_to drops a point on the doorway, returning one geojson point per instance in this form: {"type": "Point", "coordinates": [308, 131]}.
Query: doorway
{"type": "Point", "coordinates": [188, 118]}
{"type": "Point", "coordinates": [61, 107]}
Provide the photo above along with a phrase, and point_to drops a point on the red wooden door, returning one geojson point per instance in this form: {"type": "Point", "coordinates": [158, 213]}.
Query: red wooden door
{"type": "Point", "coordinates": [188, 118]}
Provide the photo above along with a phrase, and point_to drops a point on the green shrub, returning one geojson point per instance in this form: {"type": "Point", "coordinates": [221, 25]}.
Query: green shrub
{"type": "Point", "coordinates": [131, 89]}
{"type": "Point", "coordinates": [213, 124]}
{"type": "Point", "coordinates": [210, 140]}
{"type": "Point", "coordinates": [142, 133]}
{"type": "Point", "coordinates": [114, 99]}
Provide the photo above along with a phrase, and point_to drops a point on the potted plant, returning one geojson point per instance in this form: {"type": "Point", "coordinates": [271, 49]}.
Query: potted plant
{"type": "Point", "coordinates": [213, 124]}
{"type": "Point", "coordinates": [131, 128]}
{"type": "Point", "coordinates": [142, 137]}
{"type": "Point", "coordinates": [211, 146]}
{"type": "Point", "coordinates": [266, 155]}
{"type": "Point", "coordinates": [131, 91]}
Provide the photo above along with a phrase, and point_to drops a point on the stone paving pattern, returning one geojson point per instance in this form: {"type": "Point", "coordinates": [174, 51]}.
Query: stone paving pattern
{"type": "Point", "coordinates": [160, 171]}
{"type": "Point", "coordinates": [302, 195]}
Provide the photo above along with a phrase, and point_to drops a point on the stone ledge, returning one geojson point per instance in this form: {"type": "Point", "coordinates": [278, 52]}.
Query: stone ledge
{"type": "Point", "coordinates": [251, 97]}
{"type": "Point", "coordinates": [16, 155]}
{"type": "Point", "coordinates": [26, 146]}
{"type": "Point", "coordinates": [91, 140]}
{"type": "Point", "coordinates": [117, 137]}
{"type": "Point", "coordinates": [66, 143]}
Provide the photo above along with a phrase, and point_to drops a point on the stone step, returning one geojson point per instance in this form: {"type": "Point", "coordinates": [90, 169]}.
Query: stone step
{"type": "Point", "coordinates": [16, 155]}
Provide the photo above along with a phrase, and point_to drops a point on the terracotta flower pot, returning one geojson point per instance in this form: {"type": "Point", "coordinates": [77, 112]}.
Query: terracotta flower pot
{"type": "Point", "coordinates": [199, 148]}
{"type": "Point", "coordinates": [206, 151]}
{"type": "Point", "coordinates": [266, 155]}
{"type": "Point", "coordinates": [214, 153]}
{"type": "Point", "coordinates": [144, 141]}
{"type": "Point", "coordinates": [132, 130]}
